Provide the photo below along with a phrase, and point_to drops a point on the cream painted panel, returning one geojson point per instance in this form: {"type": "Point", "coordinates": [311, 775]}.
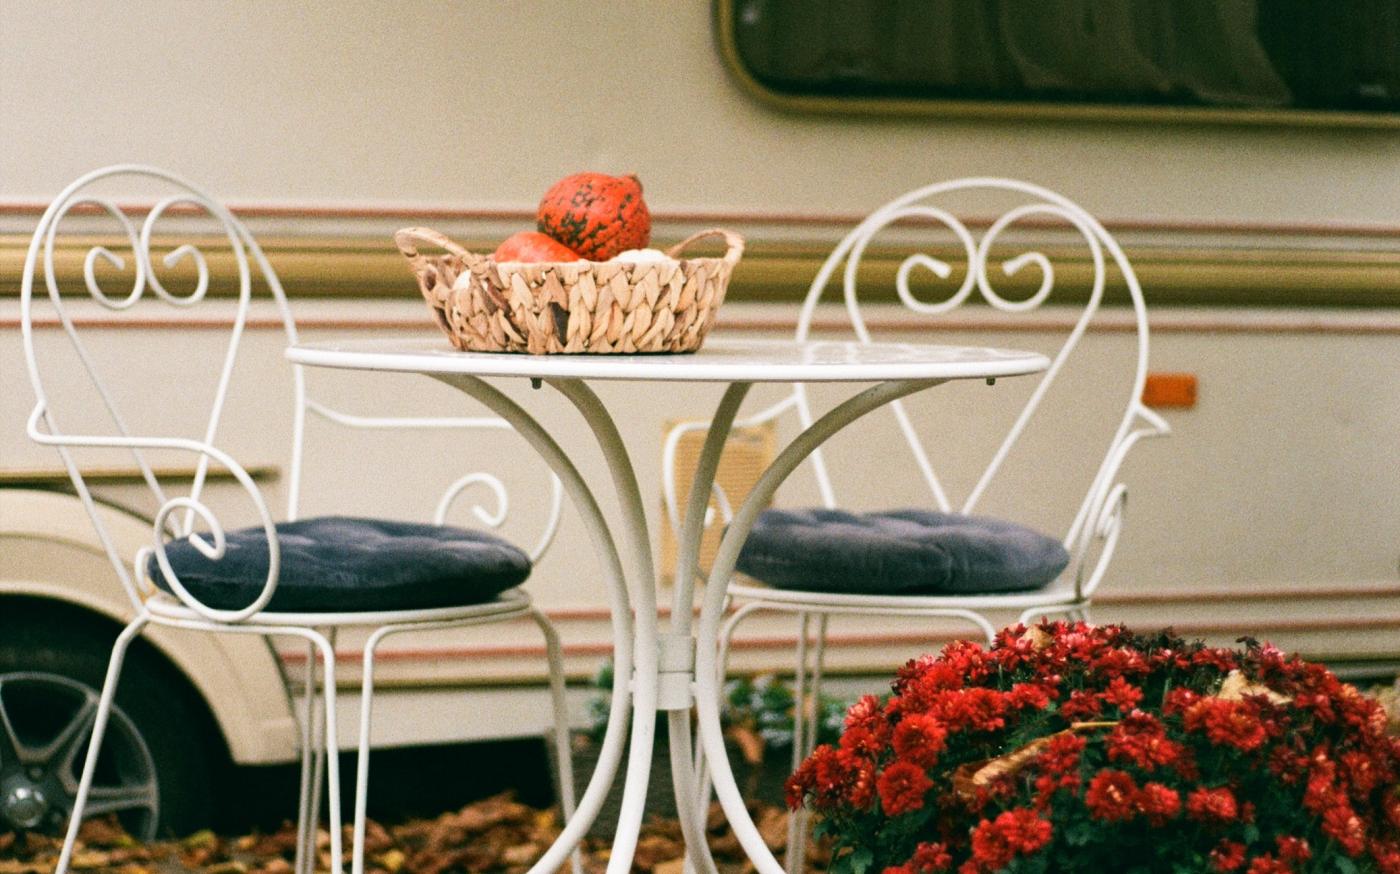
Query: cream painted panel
{"type": "Point", "coordinates": [484, 103]}
{"type": "Point", "coordinates": [1282, 478]}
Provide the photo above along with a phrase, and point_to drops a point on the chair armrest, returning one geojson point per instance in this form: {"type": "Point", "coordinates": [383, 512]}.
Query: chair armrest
{"type": "Point", "coordinates": [1104, 520]}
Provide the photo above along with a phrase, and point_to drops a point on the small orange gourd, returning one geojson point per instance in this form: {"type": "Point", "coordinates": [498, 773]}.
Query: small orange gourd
{"type": "Point", "coordinates": [596, 215]}
{"type": "Point", "coordinates": [533, 246]}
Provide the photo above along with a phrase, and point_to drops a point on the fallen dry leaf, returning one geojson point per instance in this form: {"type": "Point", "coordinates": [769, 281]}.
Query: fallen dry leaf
{"type": "Point", "coordinates": [104, 832]}
{"type": "Point", "coordinates": [497, 835]}
{"type": "Point", "coordinates": [84, 860]}
{"type": "Point", "coordinates": [391, 861]}
{"type": "Point", "coordinates": [1236, 686]}
{"type": "Point", "coordinates": [772, 826]}
{"type": "Point", "coordinates": [749, 742]}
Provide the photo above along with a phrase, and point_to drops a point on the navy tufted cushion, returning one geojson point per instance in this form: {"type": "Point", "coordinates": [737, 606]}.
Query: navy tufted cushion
{"type": "Point", "coordinates": [344, 564]}
{"type": "Point", "coordinates": [900, 552]}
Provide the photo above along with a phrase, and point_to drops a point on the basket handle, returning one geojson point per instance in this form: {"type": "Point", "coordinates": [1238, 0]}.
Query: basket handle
{"type": "Point", "coordinates": [408, 239]}
{"type": "Point", "coordinates": [731, 239]}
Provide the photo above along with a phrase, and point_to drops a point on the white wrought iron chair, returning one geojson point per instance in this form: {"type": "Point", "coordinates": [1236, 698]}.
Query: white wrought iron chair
{"type": "Point", "coordinates": [179, 516]}
{"type": "Point", "coordinates": [1092, 534]}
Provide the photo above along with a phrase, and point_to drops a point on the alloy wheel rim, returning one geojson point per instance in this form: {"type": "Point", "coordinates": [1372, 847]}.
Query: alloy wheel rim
{"type": "Point", "coordinates": [45, 727]}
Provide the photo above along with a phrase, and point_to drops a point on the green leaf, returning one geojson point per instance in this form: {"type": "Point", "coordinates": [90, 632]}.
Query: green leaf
{"type": "Point", "coordinates": [1080, 833]}
{"type": "Point", "coordinates": [860, 859]}
{"type": "Point", "coordinates": [1344, 865]}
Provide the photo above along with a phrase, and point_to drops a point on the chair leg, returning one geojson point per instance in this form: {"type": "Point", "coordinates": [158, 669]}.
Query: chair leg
{"type": "Point", "coordinates": [99, 727]}
{"type": "Point", "coordinates": [357, 842]}
{"type": "Point", "coordinates": [310, 731]}
{"type": "Point", "coordinates": [316, 778]}
{"type": "Point", "coordinates": [329, 753]}
{"type": "Point", "coordinates": [795, 859]}
{"type": "Point", "coordinates": [563, 748]}
{"type": "Point", "coordinates": [702, 773]}
{"type": "Point", "coordinates": [799, 730]}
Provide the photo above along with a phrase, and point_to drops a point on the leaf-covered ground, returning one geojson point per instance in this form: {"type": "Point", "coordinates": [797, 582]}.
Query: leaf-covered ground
{"type": "Point", "coordinates": [496, 834]}
{"type": "Point", "coordinates": [493, 835]}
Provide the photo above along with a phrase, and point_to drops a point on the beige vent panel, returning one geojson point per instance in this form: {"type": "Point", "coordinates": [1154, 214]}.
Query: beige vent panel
{"type": "Point", "coordinates": [747, 453]}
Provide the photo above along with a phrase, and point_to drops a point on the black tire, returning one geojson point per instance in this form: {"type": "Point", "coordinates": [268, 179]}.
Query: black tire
{"type": "Point", "coordinates": [48, 657]}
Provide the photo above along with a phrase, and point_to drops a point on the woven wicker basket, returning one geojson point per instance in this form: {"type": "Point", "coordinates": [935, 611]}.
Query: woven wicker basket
{"type": "Point", "coordinates": [581, 306]}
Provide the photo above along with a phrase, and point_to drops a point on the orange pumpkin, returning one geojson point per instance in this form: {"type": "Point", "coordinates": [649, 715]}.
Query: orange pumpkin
{"type": "Point", "coordinates": [596, 215]}
{"type": "Point", "coordinates": [533, 246]}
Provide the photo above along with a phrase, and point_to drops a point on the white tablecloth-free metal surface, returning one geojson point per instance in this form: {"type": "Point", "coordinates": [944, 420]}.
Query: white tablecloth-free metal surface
{"type": "Point", "coordinates": [676, 670]}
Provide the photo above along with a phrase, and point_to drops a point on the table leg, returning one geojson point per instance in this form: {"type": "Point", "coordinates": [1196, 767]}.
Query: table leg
{"type": "Point", "coordinates": [620, 607]}
{"type": "Point", "coordinates": [645, 646]}
{"type": "Point", "coordinates": [691, 800]}
{"type": "Point", "coordinates": [707, 691]}
{"type": "Point", "coordinates": [655, 688]}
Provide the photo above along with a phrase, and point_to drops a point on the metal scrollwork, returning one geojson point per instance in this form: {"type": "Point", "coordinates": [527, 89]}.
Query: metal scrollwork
{"type": "Point", "coordinates": [141, 244]}
{"type": "Point", "coordinates": [43, 426]}
{"type": "Point", "coordinates": [486, 517]}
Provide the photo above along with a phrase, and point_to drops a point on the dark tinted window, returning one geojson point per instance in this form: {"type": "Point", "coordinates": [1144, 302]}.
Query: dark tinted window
{"type": "Point", "coordinates": [1307, 54]}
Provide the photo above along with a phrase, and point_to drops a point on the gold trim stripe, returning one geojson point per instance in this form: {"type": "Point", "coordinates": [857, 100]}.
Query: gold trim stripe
{"type": "Point", "coordinates": [46, 477]}
{"type": "Point", "coordinates": [779, 272]}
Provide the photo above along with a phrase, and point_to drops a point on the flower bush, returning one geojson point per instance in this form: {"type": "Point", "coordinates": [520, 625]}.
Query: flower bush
{"type": "Point", "coordinates": [1068, 747]}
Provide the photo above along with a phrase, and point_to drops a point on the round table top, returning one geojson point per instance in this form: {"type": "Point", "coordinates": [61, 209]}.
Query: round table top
{"type": "Point", "coordinates": [721, 359]}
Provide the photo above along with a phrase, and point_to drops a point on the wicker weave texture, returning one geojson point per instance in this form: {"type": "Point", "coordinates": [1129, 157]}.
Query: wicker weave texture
{"type": "Point", "coordinates": [595, 307]}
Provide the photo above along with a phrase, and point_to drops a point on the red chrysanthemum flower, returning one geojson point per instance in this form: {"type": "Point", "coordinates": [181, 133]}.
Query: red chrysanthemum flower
{"type": "Point", "coordinates": [970, 709]}
{"type": "Point", "coordinates": [1361, 771]}
{"type": "Point", "coordinates": [1212, 805]}
{"type": "Point", "coordinates": [1158, 802]}
{"type": "Point", "coordinates": [1179, 700]}
{"type": "Point", "coordinates": [930, 858]}
{"type": "Point", "coordinates": [1121, 694]}
{"type": "Point", "coordinates": [1111, 795]}
{"type": "Point", "coordinates": [1267, 864]}
{"type": "Point", "coordinates": [830, 777]}
{"type": "Point", "coordinates": [1221, 659]}
{"type": "Point", "coordinates": [1229, 723]}
{"type": "Point", "coordinates": [864, 713]}
{"type": "Point", "coordinates": [1035, 696]}
{"type": "Point", "coordinates": [1061, 753]}
{"type": "Point", "coordinates": [1142, 740]}
{"type": "Point", "coordinates": [919, 738]}
{"type": "Point", "coordinates": [1013, 833]}
{"type": "Point", "coordinates": [1120, 661]}
{"type": "Point", "coordinates": [1228, 856]}
{"type": "Point", "coordinates": [902, 787]}
{"type": "Point", "coordinates": [1343, 825]}
{"type": "Point", "coordinates": [1391, 805]}
{"type": "Point", "coordinates": [1081, 706]}
{"type": "Point", "coordinates": [1292, 849]}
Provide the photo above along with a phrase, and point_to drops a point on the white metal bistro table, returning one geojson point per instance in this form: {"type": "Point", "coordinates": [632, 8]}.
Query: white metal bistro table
{"type": "Point", "coordinates": [673, 671]}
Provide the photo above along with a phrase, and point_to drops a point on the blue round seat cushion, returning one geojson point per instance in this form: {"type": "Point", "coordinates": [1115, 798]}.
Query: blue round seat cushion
{"type": "Point", "coordinates": [898, 552]}
{"type": "Point", "coordinates": [347, 564]}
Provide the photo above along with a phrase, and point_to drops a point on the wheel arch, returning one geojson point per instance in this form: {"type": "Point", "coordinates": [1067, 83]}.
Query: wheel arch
{"type": "Point", "coordinates": [52, 565]}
